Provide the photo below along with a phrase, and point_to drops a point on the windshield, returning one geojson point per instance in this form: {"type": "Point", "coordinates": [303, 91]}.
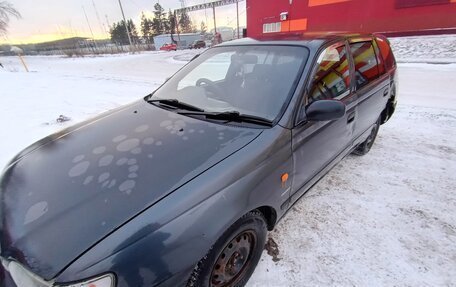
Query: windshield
{"type": "Point", "coordinates": [251, 80]}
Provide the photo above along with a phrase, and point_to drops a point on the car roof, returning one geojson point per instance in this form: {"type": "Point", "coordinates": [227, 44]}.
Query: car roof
{"type": "Point", "coordinates": [314, 40]}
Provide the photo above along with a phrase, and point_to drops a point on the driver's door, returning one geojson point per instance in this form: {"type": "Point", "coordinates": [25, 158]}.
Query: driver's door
{"type": "Point", "coordinates": [315, 145]}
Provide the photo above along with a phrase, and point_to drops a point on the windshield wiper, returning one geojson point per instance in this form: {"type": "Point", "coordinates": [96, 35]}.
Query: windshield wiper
{"type": "Point", "coordinates": [175, 104]}
{"type": "Point", "coordinates": [231, 116]}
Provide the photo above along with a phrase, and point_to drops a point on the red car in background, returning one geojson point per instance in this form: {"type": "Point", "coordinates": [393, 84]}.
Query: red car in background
{"type": "Point", "coordinates": [168, 47]}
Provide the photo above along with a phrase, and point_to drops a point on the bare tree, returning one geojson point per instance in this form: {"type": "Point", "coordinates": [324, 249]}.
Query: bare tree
{"type": "Point", "coordinates": [6, 10]}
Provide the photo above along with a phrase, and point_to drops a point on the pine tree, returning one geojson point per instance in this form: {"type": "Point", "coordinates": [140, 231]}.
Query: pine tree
{"type": "Point", "coordinates": [185, 23]}
{"type": "Point", "coordinates": [119, 32]}
{"type": "Point", "coordinates": [133, 32]}
{"type": "Point", "coordinates": [159, 23]}
{"type": "Point", "coordinates": [172, 23]}
{"type": "Point", "coordinates": [203, 27]}
{"type": "Point", "coordinates": [166, 24]}
{"type": "Point", "coordinates": [147, 30]}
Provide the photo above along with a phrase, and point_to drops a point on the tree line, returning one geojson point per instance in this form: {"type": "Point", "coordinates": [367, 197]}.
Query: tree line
{"type": "Point", "coordinates": [160, 23]}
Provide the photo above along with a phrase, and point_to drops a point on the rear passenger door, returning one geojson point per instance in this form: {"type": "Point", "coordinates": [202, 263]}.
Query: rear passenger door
{"type": "Point", "coordinates": [371, 85]}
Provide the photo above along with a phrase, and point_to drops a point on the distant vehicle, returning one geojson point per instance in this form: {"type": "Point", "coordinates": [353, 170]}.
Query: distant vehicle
{"type": "Point", "coordinates": [168, 47]}
{"type": "Point", "coordinates": [198, 44]}
{"type": "Point", "coordinates": [208, 43]}
{"type": "Point", "coordinates": [181, 187]}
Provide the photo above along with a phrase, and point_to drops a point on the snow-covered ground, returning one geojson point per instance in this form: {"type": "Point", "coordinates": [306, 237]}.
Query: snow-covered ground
{"type": "Point", "coordinates": [388, 218]}
{"type": "Point", "coordinates": [428, 49]}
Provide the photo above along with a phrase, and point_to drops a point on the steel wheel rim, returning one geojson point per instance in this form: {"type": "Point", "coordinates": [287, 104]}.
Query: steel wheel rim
{"type": "Point", "coordinates": [233, 261]}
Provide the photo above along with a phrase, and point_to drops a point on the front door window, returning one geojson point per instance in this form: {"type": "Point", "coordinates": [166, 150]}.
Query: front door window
{"type": "Point", "coordinates": [332, 78]}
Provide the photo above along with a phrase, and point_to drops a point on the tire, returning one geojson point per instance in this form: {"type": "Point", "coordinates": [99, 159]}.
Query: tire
{"type": "Point", "coordinates": [232, 259]}
{"type": "Point", "coordinates": [390, 106]}
{"type": "Point", "coordinates": [364, 147]}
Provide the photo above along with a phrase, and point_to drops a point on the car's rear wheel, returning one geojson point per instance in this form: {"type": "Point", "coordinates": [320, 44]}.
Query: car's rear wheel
{"type": "Point", "coordinates": [364, 147]}
{"type": "Point", "coordinates": [233, 258]}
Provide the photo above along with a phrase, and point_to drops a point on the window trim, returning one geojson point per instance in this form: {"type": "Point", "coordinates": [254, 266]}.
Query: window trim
{"type": "Point", "coordinates": [274, 27]}
{"type": "Point", "coordinates": [314, 71]}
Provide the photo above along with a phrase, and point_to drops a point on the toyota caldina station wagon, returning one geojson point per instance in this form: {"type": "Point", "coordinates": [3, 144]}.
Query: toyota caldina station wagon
{"type": "Point", "coordinates": [181, 187]}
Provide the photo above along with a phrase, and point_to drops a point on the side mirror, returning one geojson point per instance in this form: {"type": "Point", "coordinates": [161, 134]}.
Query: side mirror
{"type": "Point", "coordinates": [325, 110]}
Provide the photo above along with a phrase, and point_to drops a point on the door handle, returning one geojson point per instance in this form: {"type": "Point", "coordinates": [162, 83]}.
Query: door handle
{"type": "Point", "coordinates": [385, 92]}
{"type": "Point", "coordinates": [350, 118]}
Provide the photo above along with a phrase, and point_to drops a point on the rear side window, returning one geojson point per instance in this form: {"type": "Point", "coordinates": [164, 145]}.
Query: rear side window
{"type": "Point", "coordinates": [385, 51]}
{"type": "Point", "coordinates": [366, 69]}
{"type": "Point", "coordinates": [332, 78]}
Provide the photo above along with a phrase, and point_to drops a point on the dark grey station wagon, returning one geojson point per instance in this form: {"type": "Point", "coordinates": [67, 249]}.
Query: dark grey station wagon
{"type": "Point", "coordinates": [181, 187]}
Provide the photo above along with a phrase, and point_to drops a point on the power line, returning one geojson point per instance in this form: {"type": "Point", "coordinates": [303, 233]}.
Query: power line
{"type": "Point", "coordinates": [205, 12]}
{"type": "Point", "coordinates": [107, 21]}
{"type": "Point", "coordinates": [232, 20]}
{"type": "Point", "coordinates": [98, 18]}
{"type": "Point", "coordinates": [90, 28]}
{"type": "Point", "coordinates": [137, 6]}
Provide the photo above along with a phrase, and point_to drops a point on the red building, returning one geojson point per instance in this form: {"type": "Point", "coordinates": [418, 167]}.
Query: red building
{"type": "Point", "coordinates": [391, 17]}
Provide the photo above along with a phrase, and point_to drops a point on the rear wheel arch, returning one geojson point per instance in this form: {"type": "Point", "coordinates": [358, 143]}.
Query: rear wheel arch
{"type": "Point", "coordinates": [390, 106]}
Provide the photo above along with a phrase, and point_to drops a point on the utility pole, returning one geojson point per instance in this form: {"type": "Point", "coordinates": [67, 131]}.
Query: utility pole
{"type": "Point", "coordinates": [215, 24]}
{"type": "Point", "coordinates": [126, 26]}
{"type": "Point", "coordinates": [177, 28]}
{"type": "Point", "coordinates": [237, 18]}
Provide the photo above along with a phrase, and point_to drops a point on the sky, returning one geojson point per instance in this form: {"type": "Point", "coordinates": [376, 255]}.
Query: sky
{"type": "Point", "coordinates": [46, 20]}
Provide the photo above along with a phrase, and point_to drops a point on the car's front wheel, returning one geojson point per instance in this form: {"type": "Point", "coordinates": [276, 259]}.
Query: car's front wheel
{"type": "Point", "coordinates": [233, 258]}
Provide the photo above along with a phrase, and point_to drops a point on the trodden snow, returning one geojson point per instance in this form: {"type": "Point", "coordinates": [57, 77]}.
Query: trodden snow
{"type": "Point", "coordinates": [387, 218]}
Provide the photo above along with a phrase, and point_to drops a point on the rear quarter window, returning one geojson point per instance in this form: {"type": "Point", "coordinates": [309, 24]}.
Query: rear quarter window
{"type": "Point", "coordinates": [381, 63]}
{"type": "Point", "coordinates": [386, 52]}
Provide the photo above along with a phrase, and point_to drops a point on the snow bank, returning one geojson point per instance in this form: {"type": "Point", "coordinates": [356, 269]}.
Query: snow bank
{"type": "Point", "coordinates": [425, 49]}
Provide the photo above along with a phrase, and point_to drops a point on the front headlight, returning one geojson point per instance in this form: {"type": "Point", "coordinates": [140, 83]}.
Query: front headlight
{"type": "Point", "coordinates": [107, 280]}
{"type": "Point", "coordinates": [21, 276]}
{"type": "Point", "coordinates": [24, 278]}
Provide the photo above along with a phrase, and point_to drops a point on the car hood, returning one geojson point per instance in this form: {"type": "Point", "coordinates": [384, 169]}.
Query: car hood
{"type": "Point", "coordinates": [63, 194]}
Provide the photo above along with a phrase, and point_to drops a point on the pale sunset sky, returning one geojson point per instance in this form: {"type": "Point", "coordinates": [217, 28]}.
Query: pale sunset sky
{"type": "Point", "coordinates": [46, 20]}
